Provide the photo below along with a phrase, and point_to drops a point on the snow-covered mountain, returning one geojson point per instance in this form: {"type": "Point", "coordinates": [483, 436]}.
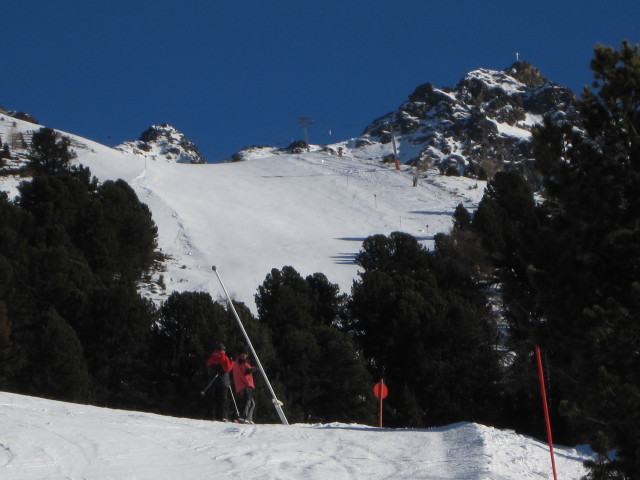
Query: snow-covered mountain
{"type": "Point", "coordinates": [310, 211]}
{"type": "Point", "coordinates": [481, 125]}
{"type": "Point", "coordinates": [55, 440]}
{"type": "Point", "coordinates": [477, 127]}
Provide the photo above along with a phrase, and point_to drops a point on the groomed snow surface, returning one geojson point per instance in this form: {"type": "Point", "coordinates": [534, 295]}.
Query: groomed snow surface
{"type": "Point", "coordinates": [44, 439]}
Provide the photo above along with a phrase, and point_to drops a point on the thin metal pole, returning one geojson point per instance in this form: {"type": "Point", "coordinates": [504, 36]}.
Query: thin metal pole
{"type": "Point", "coordinates": [234, 401]}
{"type": "Point", "coordinates": [276, 403]}
{"type": "Point", "coordinates": [209, 384]}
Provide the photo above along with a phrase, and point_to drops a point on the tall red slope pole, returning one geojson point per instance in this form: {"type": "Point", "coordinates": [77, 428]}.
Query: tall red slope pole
{"type": "Point", "coordinates": [380, 408]}
{"type": "Point", "coordinates": [543, 392]}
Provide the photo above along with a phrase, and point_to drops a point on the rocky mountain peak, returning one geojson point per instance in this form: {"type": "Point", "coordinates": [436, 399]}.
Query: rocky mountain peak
{"type": "Point", "coordinates": [527, 74]}
{"type": "Point", "coordinates": [476, 128]}
{"type": "Point", "coordinates": [165, 141]}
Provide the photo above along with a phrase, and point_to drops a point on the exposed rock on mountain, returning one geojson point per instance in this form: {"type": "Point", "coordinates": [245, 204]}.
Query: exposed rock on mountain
{"type": "Point", "coordinates": [165, 141]}
{"type": "Point", "coordinates": [27, 117]}
{"type": "Point", "coordinates": [480, 126]}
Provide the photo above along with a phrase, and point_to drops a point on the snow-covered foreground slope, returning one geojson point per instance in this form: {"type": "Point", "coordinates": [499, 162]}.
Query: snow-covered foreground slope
{"type": "Point", "coordinates": [44, 439]}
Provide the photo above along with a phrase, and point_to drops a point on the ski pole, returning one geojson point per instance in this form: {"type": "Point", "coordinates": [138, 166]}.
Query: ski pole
{"type": "Point", "coordinates": [209, 385]}
{"type": "Point", "coordinates": [276, 403]}
{"type": "Point", "coordinates": [234, 401]}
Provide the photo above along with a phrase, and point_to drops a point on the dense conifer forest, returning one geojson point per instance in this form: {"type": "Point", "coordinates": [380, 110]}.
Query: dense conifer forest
{"type": "Point", "coordinates": [451, 330]}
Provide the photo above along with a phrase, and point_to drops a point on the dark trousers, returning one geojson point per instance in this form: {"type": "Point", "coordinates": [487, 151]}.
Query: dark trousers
{"type": "Point", "coordinates": [220, 403]}
{"type": "Point", "coordinates": [248, 404]}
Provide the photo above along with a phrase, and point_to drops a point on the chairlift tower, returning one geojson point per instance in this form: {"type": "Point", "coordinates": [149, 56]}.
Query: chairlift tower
{"type": "Point", "coordinates": [305, 122]}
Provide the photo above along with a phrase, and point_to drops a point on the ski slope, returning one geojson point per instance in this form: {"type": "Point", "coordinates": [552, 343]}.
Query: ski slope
{"type": "Point", "coordinates": [310, 211]}
{"type": "Point", "coordinates": [44, 439]}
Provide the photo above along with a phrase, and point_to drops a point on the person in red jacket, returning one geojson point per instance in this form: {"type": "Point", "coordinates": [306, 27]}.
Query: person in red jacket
{"type": "Point", "coordinates": [244, 385]}
{"type": "Point", "coordinates": [218, 368]}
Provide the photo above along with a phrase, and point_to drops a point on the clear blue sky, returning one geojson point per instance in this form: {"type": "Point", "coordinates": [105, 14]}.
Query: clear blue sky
{"type": "Point", "coordinates": [234, 73]}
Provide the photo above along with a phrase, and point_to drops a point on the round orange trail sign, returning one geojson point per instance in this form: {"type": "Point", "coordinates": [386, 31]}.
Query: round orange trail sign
{"type": "Point", "coordinates": [380, 389]}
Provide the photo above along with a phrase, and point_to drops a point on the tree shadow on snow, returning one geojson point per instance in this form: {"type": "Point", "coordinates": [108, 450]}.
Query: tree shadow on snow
{"type": "Point", "coordinates": [434, 212]}
{"type": "Point", "coordinates": [341, 426]}
{"type": "Point", "coordinates": [352, 239]}
{"type": "Point", "coordinates": [344, 258]}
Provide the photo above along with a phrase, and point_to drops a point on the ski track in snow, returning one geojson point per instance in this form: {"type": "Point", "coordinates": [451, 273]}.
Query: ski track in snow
{"type": "Point", "coordinates": [174, 239]}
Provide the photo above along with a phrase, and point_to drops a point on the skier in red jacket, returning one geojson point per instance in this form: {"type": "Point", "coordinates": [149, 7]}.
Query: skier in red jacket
{"type": "Point", "coordinates": [244, 385]}
{"type": "Point", "coordinates": [218, 368]}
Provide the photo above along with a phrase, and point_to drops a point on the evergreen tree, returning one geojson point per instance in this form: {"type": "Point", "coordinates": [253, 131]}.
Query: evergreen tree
{"type": "Point", "coordinates": [49, 152]}
{"type": "Point", "coordinates": [5, 341]}
{"type": "Point", "coordinates": [115, 333]}
{"type": "Point", "coordinates": [594, 195]}
{"type": "Point", "coordinates": [14, 294]}
{"type": "Point", "coordinates": [55, 201]}
{"type": "Point", "coordinates": [58, 368]}
{"type": "Point", "coordinates": [317, 364]}
{"type": "Point", "coordinates": [426, 329]}
{"type": "Point", "coordinates": [129, 236]}
{"type": "Point", "coordinates": [461, 218]}
{"type": "Point", "coordinates": [97, 324]}
{"type": "Point", "coordinates": [569, 266]}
